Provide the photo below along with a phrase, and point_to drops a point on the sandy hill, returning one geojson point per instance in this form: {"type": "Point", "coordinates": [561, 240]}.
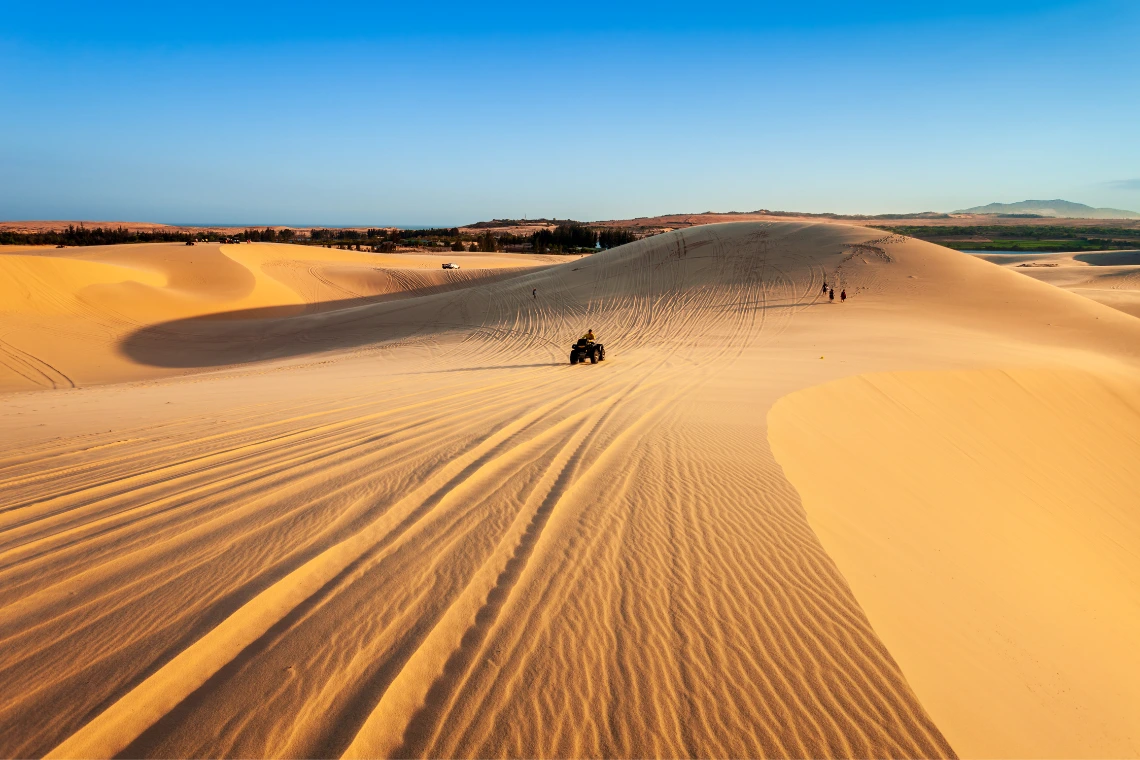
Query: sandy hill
{"type": "Point", "coordinates": [1108, 277]}
{"type": "Point", "coordinates": [1057, 208]}
{"type": "Point", "coordinates": [73, 308]}
{"type": "Point", "coordinates": [767, 524]}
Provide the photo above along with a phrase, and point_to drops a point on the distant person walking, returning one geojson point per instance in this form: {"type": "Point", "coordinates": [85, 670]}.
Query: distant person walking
{"type": "Point", "coordinates": [831, 295]}
{"type": "Point", "coordinates": [534, 293]}
{"type": "Point", "coordinates": [843, 295]}
{"type": "Point", "coordinates": [825, 286]}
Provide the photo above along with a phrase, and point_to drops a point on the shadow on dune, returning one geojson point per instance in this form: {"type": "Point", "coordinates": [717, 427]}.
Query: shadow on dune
{"type": "Point", "coordinates": [272, 332]}
{"type": "Point", "coordinates": [248, 335]}
{"type": "Point", "coordinates": [1109, 258]}
{"type": "Point", "coordinates": [251, 335]}
{"type": "Point", "coordinates": [714, 274]}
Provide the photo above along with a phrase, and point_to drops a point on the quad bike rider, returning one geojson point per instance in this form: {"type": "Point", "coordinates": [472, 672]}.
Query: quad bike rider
{"type": "Point", "coordinates": [586, 348]}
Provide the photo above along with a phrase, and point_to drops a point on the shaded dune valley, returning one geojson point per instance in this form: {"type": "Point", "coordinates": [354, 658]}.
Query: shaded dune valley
{"type": "Point", "coordinates": [266, 500]}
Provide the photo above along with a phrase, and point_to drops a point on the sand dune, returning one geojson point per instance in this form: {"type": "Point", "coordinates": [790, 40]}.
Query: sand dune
{"type": "Point", "coordinates": [339, 512]}
{"type": "Point", "coordinates": [1007, 591]}
{"type": "Point", "coordinates": [67, 311]}
{"type": "Point", "coordinates": [1108, 277]}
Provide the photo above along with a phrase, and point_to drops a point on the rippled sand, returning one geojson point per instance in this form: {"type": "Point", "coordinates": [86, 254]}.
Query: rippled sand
{"type": "Point", "coordinates": [312, 509]}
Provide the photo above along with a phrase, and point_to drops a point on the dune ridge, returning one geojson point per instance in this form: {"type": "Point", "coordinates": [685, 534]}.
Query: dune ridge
{"type": "Point", "coordinates": [66, 311]}
{"type": "Point", "coordinates": [406, 527]}
{"type": "Point", "coordinates": [996, 512]}
{"type": "Point", "coordinates": [1108, 277]}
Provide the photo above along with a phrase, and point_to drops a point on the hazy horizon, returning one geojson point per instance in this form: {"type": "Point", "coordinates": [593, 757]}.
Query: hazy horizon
{"type": "Point", "coordinates": [445, 224]}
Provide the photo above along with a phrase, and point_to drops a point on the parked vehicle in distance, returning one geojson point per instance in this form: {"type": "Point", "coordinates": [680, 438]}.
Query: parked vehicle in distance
{"type": "Point", "coordinates": [451, 265]}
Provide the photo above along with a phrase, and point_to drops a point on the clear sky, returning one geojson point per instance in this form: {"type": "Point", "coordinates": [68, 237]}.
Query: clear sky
{"type": "Point", "coordinates": [424, 113]}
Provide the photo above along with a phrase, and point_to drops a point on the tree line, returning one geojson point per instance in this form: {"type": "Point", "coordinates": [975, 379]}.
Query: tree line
{"type": "Point", "coordinates": [94, 236]}
{"type": "Point", "coordinates": [268, 235]}
{"type": "Point", "coordinates": [74, 235]}
{"type": "Point", "coordinates": [570, 237]}
{"type": "Point", "coordinates": [1014, 231]}
{"type": "Point", "coordinates": [567, 237]}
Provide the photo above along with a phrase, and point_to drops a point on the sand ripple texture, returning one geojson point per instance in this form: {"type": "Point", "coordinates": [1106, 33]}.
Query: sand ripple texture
{"type": "Point", "coordinates": [407, 527]}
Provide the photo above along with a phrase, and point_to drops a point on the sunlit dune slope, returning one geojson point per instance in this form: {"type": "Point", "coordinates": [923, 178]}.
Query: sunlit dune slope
{"type": "Point", "coordinates": [64, 312]}
{"type": "Point", "coordinates": [988, 523]}
{"type": "Point", "coordinates": [1108, 277]}
{"type": "Point", "coordinates": [407, 527]}
{"type": "Point", "coordinates": [637, 294]}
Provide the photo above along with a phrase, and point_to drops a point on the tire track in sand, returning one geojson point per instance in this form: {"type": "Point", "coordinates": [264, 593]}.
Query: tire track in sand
{"type": "Point", "coordinates": [406, 714]}
{"type": "Point", "coordinates": [136, 711]}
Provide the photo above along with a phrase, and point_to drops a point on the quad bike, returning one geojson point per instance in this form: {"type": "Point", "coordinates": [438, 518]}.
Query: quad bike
{"type": "Point", "coordinates": [587, 349]}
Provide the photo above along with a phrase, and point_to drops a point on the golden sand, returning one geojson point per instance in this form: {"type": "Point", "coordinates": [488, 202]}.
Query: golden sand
{"type": "Point", "coordinates": [1108, 277]}
{"type": "Point", "coordinates": [315, 503]}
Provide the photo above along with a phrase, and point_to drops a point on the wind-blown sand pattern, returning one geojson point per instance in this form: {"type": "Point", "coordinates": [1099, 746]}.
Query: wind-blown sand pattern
{"type": "Point", "coordinates": [1007, 592]}
{"type": "Point", "coordinates": [1108, 277]}
{"type": "Point", "coordinates": [77, 306]}
{"type": "Point", "coordinates": [395, 521]}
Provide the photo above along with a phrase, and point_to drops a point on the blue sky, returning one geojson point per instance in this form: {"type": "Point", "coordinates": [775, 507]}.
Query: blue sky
{"type": "Point", "coordinates": [446, 113]}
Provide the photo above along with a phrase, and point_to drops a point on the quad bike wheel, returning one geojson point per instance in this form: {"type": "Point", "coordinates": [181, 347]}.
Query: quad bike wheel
{"type": "Point", "coordinates": [573, 357]}
{"type": "Point", "coordinates": [594, 356]}
{"type": "Point", "coordinates": [601, 353]}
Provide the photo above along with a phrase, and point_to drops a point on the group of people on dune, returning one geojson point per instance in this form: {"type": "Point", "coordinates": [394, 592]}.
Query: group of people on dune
{"type": "Point", "coordinates": [831, 293]}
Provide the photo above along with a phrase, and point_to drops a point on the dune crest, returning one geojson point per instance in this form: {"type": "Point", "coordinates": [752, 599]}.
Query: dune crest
{"type": "Point", "coordinates": [66, 312]}
{"type": "Point", "coordinates": [403, 525]}
{"type": "Point", "coordinates": [1108, 277]}
{"type": "Point", "coordinates": [987, 522]}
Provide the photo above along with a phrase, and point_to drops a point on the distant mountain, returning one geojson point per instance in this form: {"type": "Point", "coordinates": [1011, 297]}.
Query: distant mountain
{"type": "Point", "coordinates": [1060, 208]}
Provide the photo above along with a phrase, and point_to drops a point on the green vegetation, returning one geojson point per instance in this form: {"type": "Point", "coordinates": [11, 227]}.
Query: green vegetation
{"type": "Point", "coordinates": [97, 236]}
{"type": "Point", "coordinates": [612, 238]}
{"type": "Point", "coordinates": [572, 237]}
{"type": "Point", "coordinates": [487, 243]}
{"type": "Point", "coordinates": [83, 236]}
{"type": "Point", "coordinates": [564, 238]}
{"type": "Point", "coordinates": [1042, 238]}
{"type": "Point", "coordinates": [268, 235]}
{"type": "Point", "coordinates": [1035, 246]}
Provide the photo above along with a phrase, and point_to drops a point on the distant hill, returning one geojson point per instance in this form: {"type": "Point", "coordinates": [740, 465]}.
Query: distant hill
{"type": "Point", "coordinates": [1058, 208]}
